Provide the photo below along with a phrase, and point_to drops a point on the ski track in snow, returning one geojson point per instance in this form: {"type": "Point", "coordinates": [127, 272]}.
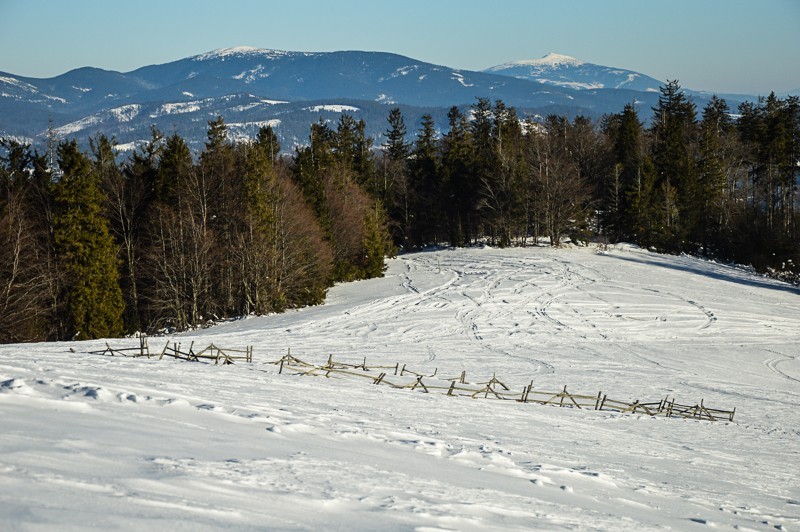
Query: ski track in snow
{"type": "Point", "coordinates": [93, 442]}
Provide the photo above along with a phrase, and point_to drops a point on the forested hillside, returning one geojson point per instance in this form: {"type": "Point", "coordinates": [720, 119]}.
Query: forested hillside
{"type": "Point", "coordinates": [95, 246]}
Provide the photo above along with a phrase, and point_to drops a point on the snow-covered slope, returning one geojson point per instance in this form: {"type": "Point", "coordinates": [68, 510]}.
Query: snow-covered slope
{"type": "Point", "coordinates": [565, 71]}
{"type": "Point", "coordinates": [94, 443]}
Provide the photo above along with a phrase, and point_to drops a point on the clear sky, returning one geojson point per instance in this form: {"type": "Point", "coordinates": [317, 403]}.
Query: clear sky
{"type": "Point", "coordinates": [749, 46]}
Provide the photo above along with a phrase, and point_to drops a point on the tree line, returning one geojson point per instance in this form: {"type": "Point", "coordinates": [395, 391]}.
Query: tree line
{"type": "Point", "coordinates": [92, 246]}
{"type": "Point", "coordinates": [718, 183]}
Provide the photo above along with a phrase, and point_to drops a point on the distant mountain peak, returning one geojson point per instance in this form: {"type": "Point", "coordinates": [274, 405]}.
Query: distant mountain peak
{"type": "Point", "coordinates": [565, 71]}
{"type": "Point", "coordinates": [239, 51]}
{"type": "Point", "coordinates": [553, 59]}
{"type": "Point", "coordinates": [550, 60]}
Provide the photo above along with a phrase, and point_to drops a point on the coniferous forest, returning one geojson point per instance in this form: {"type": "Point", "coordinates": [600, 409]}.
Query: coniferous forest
{"type": "Point", "coordinates": [92, 245]}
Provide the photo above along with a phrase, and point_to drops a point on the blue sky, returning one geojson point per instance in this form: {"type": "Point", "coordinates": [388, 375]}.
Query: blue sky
{"type": "Point", "coordinates": [749, 46]}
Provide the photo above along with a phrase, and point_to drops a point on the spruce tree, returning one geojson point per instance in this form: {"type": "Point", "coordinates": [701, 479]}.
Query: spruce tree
{"type": "Point", "coordinates": [396, 146]}
{"type": "Point", "coordinates": [425, 221]}
{"type": "Point", "coordinates": [461, 188]}
{"type": "Point", "coordinates": [677, 181]}
{"type": "Point", "coordinates": [396, 189]}
{"type": "Point", "coordinates": [92, 300]}
{"type": "Point", "coordinates": [714, 219]}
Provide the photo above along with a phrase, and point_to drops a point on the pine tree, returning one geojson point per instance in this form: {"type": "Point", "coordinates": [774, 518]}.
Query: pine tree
{"type": "Point", "coordinates": [459, 176]}
{"type": "Point", "coordinates": [674, 132]}
{"type": "Point", "coordinates": [396, 189]}
{"type": "Point", "coordinates": [714, 222]}
{"type": "Point", "coordinates": [425, 221]}
{"type": "Point", "coordinates": [629, 191]}
{"type": "Point", "coordinates": [93, 299]}
{"type": "Point", "coordinates": [268, 142]}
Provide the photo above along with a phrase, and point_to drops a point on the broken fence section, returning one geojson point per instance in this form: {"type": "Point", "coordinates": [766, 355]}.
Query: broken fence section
{"type": "Point", "coordinates": [173, 349]}
{"type": "Point", "coordinates": [496, 389]}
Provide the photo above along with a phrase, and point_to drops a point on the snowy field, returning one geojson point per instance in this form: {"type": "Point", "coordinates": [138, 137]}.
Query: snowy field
{"type": "Point", "coordinates": [92, 442]}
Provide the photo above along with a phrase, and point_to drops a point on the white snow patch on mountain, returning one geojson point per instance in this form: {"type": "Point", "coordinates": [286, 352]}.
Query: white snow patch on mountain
{"type": "Point", "coordinates": [253, 105]}
{"type": "Point", "coordinates": [78, 125]}
{"type": "Point", "coordinates": [275, 122]}
{"type": "Point", "coordinates": [176, 108]}
{"type": "Point", "coordinates": [126, 113]}
{"type": "Point", "coordinates": [55, 98]}
{"type": "Point", "coordinates": [128, 146]}
{"type": "Point", "coordinates": [332, 108]}
{"type": "Point", "coordinates": [570, 84]}
{"type": "Point", "coordinates": [242, 51]}
{"type": "Point", "coordinates": [249, 76]}
{"type": "Point", "coordinates": [402, 71]}
{"type": "Point", "coordinates": [549, 60]}
{"type": "Point", "coordinates": [247, 131]}
{"type": "Point", "coordinates": [460, 78]}
{"type": "Point", "coordinates": [19, 84]}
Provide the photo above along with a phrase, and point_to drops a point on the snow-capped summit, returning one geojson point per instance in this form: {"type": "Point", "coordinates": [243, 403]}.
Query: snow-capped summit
{"type": "Point", "coordinates": [239, 51]}
{"type": "Point", "coordinates": [566, 71]}
{"type": "Point", "coordinates": [549, 60]}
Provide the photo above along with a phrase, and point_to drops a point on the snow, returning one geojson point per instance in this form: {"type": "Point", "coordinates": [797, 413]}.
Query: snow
{"type": "Point", "coordinates": [630, 78]}
{"type": "Point", "coordinates": [252, 74]}
{"type": "Point", "coordinates": [273, 102]}
{"type": "Point", "coordinates": [402, 71]}
{"type": "Point", "coordinates": [570, 84]}
{"type": "Point", "coordinates": [18, 83]}
{"type": "Point", "coordinates": [98, 442]}
{"type": "Point", "coordinates": [124, 113]}
{"type": "Point", "coordinates": [549, 60]}
{"type": "Point", "coordinates": [242, 51]}
{"type": "Point", "coordinates": [252, 105]}
{"type": "Point", "coordinates": [460, 78]}
{"type": "Point", "coordinates": [176, 108]}
{"type": "Point", "coordinates": [79, 125]}
{"type": "Point", "coordinates": [129, 146]}
{"type": "Point", "coordinates": [332, 108]}
{"type": "Point", "coordinates": [247, 131]}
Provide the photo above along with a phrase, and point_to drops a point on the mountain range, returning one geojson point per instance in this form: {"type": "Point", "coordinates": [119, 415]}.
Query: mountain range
{"type": "Point", "coordinates": [251, 87]}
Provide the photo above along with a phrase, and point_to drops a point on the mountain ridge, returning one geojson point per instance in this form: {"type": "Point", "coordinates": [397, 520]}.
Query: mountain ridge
{"type": "Point", "coordinates": [234, 82]}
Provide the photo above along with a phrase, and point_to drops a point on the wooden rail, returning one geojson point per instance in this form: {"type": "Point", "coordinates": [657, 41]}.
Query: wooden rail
{"type": "Point", "coordinates": [496, 389]}
{"type": "Point", "coordinates": [173, 349]}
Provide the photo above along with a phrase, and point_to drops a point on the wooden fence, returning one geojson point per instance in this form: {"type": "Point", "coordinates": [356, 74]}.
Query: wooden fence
{"type": "Point", "coordinates": [172, 349]}
{"type": "Point", "coordinates": [493, 388]}
{"type": "Point", "coordinates": [496, 389]}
